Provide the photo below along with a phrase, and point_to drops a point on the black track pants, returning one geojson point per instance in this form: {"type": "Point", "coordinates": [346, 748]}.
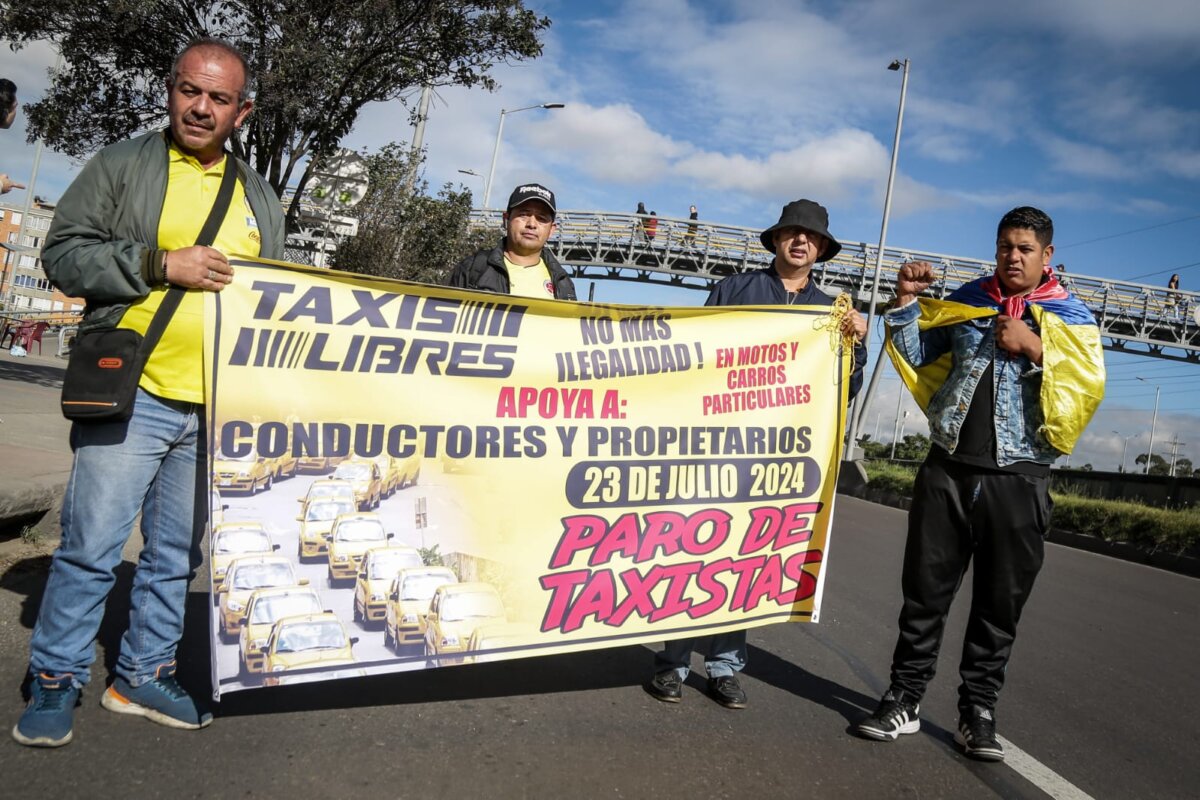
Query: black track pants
{"type": "Point", "coordinates": [960, 512]}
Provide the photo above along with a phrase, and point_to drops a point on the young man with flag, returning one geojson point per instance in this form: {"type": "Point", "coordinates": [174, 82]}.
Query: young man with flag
{"type": "Point", "coordinates": [1009, 370]}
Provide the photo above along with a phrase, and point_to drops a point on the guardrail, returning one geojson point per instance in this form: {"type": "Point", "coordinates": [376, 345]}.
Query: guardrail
{"type": "Point", "coordinates": [1142, 319]}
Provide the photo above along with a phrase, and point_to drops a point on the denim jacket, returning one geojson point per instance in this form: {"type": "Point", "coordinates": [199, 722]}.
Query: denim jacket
{"type": "Point", "coordinates": [972, 345]}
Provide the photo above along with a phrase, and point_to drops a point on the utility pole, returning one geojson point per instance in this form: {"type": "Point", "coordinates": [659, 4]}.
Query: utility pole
{"type": "Point", "coordinates": [418, 138]}
{"type": "Point", "coordinates": [898, 432]}
{"type": "Point", "coordinates": [1175, 445]}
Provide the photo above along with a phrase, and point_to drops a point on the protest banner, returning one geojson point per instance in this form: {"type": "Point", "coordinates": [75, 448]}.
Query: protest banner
{"type": "Point", "coordinates": [410, 476]}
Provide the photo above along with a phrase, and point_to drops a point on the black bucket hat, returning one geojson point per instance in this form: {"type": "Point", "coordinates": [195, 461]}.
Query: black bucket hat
{"type": "Point", "coordinates": [803, 214]}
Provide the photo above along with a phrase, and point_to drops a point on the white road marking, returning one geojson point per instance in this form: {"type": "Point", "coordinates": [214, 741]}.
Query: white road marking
{"type": "Point", "coordinates": [1039, 774]}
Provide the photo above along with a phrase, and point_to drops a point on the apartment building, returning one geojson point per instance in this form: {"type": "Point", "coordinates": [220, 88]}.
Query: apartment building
{"type": "Point", "coordinates": [23, 284]}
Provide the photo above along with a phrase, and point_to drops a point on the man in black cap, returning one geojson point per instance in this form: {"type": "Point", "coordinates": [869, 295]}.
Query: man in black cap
{"type": "Point", "coordinates": [800, 239]}
{"type": "Point", "coordinates": [519, 264]}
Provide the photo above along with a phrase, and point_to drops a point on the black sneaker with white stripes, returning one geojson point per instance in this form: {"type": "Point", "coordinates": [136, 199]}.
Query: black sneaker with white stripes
{"type": "Point", "coordinates": [896, 715]}
{"type": "Point", "coordinates": [977, 734]}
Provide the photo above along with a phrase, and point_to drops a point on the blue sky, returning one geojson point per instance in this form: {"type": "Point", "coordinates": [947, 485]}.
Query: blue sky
{"type": "Point", "coordinates": [1088, 109]}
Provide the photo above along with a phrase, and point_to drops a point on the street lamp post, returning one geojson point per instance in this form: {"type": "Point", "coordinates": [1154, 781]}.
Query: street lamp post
{"type": "Point", "coordinates": [865, 400]}
{"type": "Point", "coordinates": [1125, 448]}
{"type": "Point", "coordinates": [1153, 423]}
{"type": "Point", "coordinates": [487, 187]}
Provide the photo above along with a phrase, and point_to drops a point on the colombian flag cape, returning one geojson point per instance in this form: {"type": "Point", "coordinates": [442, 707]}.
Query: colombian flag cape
{"type": "Point", "coordinates": [1072, 357]}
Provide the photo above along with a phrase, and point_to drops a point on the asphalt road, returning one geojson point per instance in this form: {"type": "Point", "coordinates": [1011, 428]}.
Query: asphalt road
{"type": "Point", "coordinates": [1102, 693]}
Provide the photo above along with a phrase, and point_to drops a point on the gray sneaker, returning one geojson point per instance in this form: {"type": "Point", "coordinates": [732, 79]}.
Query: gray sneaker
{"type": "Point", "coordinates": [48, 719]}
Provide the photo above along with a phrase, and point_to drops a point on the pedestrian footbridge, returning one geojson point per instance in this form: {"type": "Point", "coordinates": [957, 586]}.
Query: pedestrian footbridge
{"type": "Point", "coordinates": [1133, 317]}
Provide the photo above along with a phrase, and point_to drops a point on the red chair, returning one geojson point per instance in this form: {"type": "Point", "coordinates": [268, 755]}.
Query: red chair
{"type": "Point", "coordinates": [32, 333]}
{"type": "Point", "coordinates": [15, 332]}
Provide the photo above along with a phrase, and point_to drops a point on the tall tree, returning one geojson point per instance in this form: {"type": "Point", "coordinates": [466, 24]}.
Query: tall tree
{"type": "Point", "coordinates": [1158, 465]}
{"type": "Point", "coordinates": [318, 63]}
{"type": "Point", "coordinates": [405, 234]}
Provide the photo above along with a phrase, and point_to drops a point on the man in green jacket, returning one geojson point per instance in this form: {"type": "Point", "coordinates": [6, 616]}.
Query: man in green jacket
{"type": "Point", "coordinates": [122, 234]}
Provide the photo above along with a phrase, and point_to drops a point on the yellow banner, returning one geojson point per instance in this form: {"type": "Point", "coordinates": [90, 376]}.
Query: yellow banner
{"type": "Point", "coordinates": [409, 476]}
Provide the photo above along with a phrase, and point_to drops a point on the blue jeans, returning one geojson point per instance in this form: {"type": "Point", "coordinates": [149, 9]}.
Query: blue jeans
{"type": "Point", "coordinates": [726, 655]}
{"type": "Point", "coordinates": [155, 462]}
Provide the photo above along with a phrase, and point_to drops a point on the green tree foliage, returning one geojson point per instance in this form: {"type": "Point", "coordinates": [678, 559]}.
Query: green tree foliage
{"type": "Point", "coordinates": [913, 447]}
{"type": "Point", "coordinates": [1158, 465]}
{"type": "Point", "coordinates": [318, 62]}
{"type": "Point", "coordinates": [874, 450]}
{"type": "Point", "coordinates": [407, 235]}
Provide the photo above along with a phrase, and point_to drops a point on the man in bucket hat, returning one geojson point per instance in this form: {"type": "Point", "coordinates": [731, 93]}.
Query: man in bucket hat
{"type": "Point", "coordinates": [520, 264]}
{"type": "Point", "coordinates": [800, 239]}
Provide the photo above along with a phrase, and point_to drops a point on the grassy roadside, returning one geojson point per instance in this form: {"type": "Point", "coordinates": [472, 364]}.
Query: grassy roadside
{"type": "Point", "coordinates": [1173, 530]}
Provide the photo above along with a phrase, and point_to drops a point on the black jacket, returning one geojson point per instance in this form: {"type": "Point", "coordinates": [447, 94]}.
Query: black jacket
{"type": "Point", "coordinates": [486, 272]}
{"type": "Point", "coordinates": [764, 287]}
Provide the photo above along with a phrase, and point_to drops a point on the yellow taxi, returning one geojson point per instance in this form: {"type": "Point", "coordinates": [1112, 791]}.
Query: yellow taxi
{"type": "Point", "coordinates": [389, 474]}
{"type": "Point", "coordinates": [316, 522]}
{"type": "Point", "coordinates": [232, 540]}
{"type": "Point", "coordinates": [325, 488]}
{"type": "Point", "coordinates": [263, 610]}
{"type": "Point", "coordinates": [366, 479]}
{"type": "Point", "coordinates": [378, 567]}
{"type": "Point", "coordinates": [317, 463]}
{"type": "Point", "coordinates": [216, 507]}
{"type": "Point", "coordinates": [284, 466]}
{"type": "Point", "coordinates": [410, 469]}
{"type": "Point", "coordinates": [244, 576]}
{"type": "Point", "coordinates": [454, 613]}
{"type": "Point", "coordinates": [247, 473]}
{"type": "Point", "coordinates": [408, 604]}
{"type": "Point", "coordinates": [496, 635]}
{"type": "Point", "coordinates": [306, 640]}
{"type": "Point", "coordinates": [351, 537]}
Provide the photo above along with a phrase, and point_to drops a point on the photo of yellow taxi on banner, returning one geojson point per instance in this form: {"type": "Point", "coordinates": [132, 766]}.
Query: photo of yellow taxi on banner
{"type": "Point", "coordinates": [410, 476]}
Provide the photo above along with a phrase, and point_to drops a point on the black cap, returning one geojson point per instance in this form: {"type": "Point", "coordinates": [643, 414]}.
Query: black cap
{"type": "Point", "coordinates": [531, 191]}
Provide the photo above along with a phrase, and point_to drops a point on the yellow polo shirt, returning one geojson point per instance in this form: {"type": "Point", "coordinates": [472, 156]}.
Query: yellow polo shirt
{"type": "Point", "coordinates": [531, 281]}
{"type": "Point", "coordinates": [175, 369]}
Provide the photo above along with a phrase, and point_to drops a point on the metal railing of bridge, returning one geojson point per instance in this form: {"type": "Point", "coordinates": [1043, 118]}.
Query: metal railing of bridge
{"type": "Point", "coordinates": [1133, 317]}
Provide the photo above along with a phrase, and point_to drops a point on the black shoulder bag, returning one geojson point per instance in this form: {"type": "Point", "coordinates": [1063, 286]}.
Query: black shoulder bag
{"type": "Point", "coordinates": [105, 365]}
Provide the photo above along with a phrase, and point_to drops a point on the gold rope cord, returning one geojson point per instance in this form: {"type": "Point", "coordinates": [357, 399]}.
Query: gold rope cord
{"type": "Point", "coordinates": [842, 305]}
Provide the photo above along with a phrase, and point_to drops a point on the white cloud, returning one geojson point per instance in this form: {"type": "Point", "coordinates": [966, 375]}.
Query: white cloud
{"type": "Point", "coordinates": [950, 148]}
{"type": "Point", "coordinates": [1184, 163]}
{"type": "Point", "coordinates": [1004, 199]}
{"type": "Point", "coordinates": [1078, 158]}
{"type": "Point", "coordinates": [1122, 110]}
{"type": "Point", "coordinates": [832, 167]}
{"type": "Point", "coordinates": [1153, 25]}
{"type": "Point", "coordinates": [611, 143]}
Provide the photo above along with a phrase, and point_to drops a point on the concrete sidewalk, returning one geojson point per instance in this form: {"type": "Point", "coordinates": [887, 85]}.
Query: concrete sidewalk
{"type": "Point", "coordinates": [35, 457]}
